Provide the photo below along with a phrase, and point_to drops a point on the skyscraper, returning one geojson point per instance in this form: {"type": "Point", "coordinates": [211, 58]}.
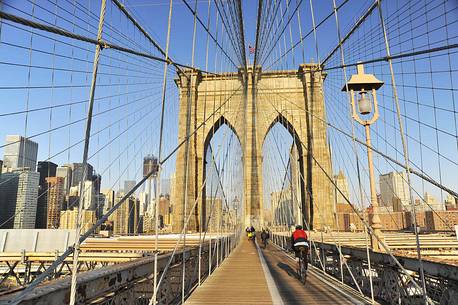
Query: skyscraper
{"type": "Point", "coordinates": [97, 180]}
{"type": "Point", "coordinates": [46, 169]}
{"type": "Point", "coordinates": [19, 153]}
{"type": "Point", "coordinates": [56, 197]}
{"type": "Point", "coordinates": [89, 195]}
{"type": "Point", "coordinates": [18, 199]}
{"type": "Point", "coordinates": [109, 199]}
{"type": "Point", "coordinates": [128, 185]}
{"type": "Point", "coordinates": [394, 185]}
{"type": "Point", "coordinates": [68, 219]}
{"type": "Point", "coordinates": [125, 218]}
{"type": "Point", "coordinates": [79, 174]}
{"type": "Point", "coordinates": [66, 173]}
{"type": "Point", "coordinates": [8, 197]}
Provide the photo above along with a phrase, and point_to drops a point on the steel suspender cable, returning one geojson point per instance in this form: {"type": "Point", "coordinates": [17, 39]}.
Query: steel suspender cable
{"type": "Point", "coordinates": [201, 210]}
{"type": "Point", "coordinates": [320, 214]}
{"type": "Point", "coordinates": [342, 56]}
{"type": "Point", "coordinates": [366, 224]}
{"type": "Point", "coordinates": [153, 300]}
{"type": "Point", "coordinates": [85, 155]}
{"type": "Point", "coordinates": [406, 153]}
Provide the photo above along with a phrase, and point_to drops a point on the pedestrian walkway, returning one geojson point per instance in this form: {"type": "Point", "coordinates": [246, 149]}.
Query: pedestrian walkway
{"type": "Point", "coordinates": [239, 280]}
{"type": "Point", "coordinates": [268, 277]}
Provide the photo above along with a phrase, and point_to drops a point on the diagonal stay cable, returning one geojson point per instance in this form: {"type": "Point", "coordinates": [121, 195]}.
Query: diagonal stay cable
{"type": "Point", "coordinates": [102, 43]}
{"type": "Point", "coordinates": [362, 219]}
{"type": "Point", "coordinates": [363, 143]}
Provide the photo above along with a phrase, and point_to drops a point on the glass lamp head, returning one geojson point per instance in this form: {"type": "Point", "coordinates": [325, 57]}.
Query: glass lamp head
{"type": "Point", "coordinates": [364, 103]}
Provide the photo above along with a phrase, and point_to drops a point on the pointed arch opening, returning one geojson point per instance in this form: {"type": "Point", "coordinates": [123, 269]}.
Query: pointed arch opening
{"type": "Point", "coordinates": [222, 176]}
{"type": "Point", "coordinates": [285, 188]}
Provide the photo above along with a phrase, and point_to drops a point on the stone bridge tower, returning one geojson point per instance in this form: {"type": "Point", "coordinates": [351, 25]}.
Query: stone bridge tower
{"type": "Point", "coordinates": [251, 103]}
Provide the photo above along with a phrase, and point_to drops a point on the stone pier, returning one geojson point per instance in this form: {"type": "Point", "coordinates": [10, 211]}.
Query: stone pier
{"type": "Point", "coordinates": [250, 103]}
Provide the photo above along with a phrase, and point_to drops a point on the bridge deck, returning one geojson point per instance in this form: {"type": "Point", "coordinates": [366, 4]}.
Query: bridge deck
{"type": "Point", "coordinates": [241, 279]}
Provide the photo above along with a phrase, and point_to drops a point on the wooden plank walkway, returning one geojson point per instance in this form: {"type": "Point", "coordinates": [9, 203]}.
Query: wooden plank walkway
{"type": "Point", "coordinates": [241, 280]}
{"type": "Point", "coordinates": [315, 291]}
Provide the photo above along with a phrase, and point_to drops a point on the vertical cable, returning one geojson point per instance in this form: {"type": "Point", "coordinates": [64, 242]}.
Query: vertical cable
{"type": "Point", "coordinates": [201, 210]}
{"type": "Point", "coordinates": [355, 151]}
{"type": "Point", "coordinates": [405, 151]}
{"type": "Point", "coordinates": [85, 154]}
{"type": "Point", "coordinates": [191, 84]}
{"type": "Point", "coordinates": [159, 170]}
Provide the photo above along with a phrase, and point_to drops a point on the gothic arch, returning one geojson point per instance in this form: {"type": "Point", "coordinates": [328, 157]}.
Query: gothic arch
{"type": "Point", "coordinates": [282, 120]}
{"type": "Point", "coordinates": [208, 137]}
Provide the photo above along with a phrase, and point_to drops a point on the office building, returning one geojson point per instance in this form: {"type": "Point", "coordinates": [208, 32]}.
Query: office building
{"type": "Point", "coordinates": [97, 182]}
{"type": "Point", "coordinates": [88, 195]}
{"type": "Point", "coordinates": [99, 205]}
{"type": "Point", "coordinates": [26, 203]}
{"type": "Point", "coordinates": [8, 197]}
{"type": "Point", "coordinates": [20, 152]}
{"type": "Point", "coordinates": [150, 164]}
{"type": "Point", "coordinates": [430, 203]}
{"type": "Point", "coordinates": [128, 185]}
{"type": "Point", "coordinates": [164, 209]}
{"type": "Point", "coordinates": [46, 169]}
{"type": "Point", "coordinates": [109, 196]}
{"type": "Point", "coordinates": [56, 196]}
{"type": "Point", "coordinates": [66, 173]}
{"type": "Point", "coordinates": [80, 174]}
{"type": "Point", "coordinates": [68, 219]}
{"type": "Point", "coordinates": [18, 199]}
{"type": "Point", "coordinates": [126, 218]}
{"type": "Point", "coordinates": [394, 185]}
{"type": "Point", "coordinates": [143, 198]}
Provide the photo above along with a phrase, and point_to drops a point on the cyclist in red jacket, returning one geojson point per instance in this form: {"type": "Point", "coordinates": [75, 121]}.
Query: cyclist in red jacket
{"type": "Point", "coordinates": [299, 239]}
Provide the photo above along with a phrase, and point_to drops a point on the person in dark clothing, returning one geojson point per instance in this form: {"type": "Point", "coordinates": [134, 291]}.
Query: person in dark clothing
{"type": "Point", "coordinates": [265, 237]}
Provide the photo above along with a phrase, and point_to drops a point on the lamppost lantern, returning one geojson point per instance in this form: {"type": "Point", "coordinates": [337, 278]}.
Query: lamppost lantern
{"type": "Point", "coordinates": [364, 103]}
{"type": "Point", "coordinates": [367, 85]}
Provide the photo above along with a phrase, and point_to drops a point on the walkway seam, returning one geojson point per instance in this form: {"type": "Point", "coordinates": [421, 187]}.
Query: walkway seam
{"type": "Point", "coordinates": [274, 293]}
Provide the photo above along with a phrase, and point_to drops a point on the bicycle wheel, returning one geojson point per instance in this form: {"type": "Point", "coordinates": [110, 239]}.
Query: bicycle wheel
{"type": "Point", "coordinates": [303, 267]}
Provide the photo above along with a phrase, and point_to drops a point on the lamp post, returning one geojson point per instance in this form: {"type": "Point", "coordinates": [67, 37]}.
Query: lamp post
{"type": "Point", "coordinates": [366, 86]}
{"type": "Point", "coordinates": [235, 205]}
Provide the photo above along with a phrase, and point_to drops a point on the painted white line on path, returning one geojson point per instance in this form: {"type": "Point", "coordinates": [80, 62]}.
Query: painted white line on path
{"type": "Point", "coordinates": [274, 294]}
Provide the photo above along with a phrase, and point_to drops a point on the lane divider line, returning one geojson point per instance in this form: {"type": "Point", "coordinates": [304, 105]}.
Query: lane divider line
{"type": "Point", "coordinates": [274, 293]}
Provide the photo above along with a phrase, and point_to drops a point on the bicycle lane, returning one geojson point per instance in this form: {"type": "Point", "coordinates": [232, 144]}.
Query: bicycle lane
{"type": "Point", "coordinates": [292, 291]}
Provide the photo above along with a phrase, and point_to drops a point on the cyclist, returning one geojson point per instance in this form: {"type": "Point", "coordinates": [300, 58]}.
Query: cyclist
{"type": "Point", "coordinates": [251, 232]}
{"type": "Point", "coordinates": [299, 239]}
{"type": "Point", "coordinates": [300, 246]}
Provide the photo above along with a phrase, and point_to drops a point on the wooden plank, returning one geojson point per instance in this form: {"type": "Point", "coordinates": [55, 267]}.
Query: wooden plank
{"type": "Point", "coordinates": [239, 280]}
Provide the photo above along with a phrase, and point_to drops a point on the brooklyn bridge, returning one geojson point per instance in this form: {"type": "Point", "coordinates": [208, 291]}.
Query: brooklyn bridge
{"type": "Point", "coordinates": [143, 139]}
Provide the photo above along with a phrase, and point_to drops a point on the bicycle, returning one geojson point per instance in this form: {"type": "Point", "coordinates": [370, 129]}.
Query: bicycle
{"type": "Point", "coordinates": [302, 264]}
{"type": "Point", "coordinates": [264, 242]}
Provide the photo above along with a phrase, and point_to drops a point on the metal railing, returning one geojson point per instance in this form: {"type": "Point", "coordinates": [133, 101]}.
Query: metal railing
{"type": "Point", "coordinates": [390, 284]}
{"type": "Point", "coordinates": [132, 282]}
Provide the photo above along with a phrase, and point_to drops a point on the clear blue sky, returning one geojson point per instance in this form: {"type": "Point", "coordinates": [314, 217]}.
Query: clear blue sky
{"type": "Point", "coordinates": [129, 87]}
